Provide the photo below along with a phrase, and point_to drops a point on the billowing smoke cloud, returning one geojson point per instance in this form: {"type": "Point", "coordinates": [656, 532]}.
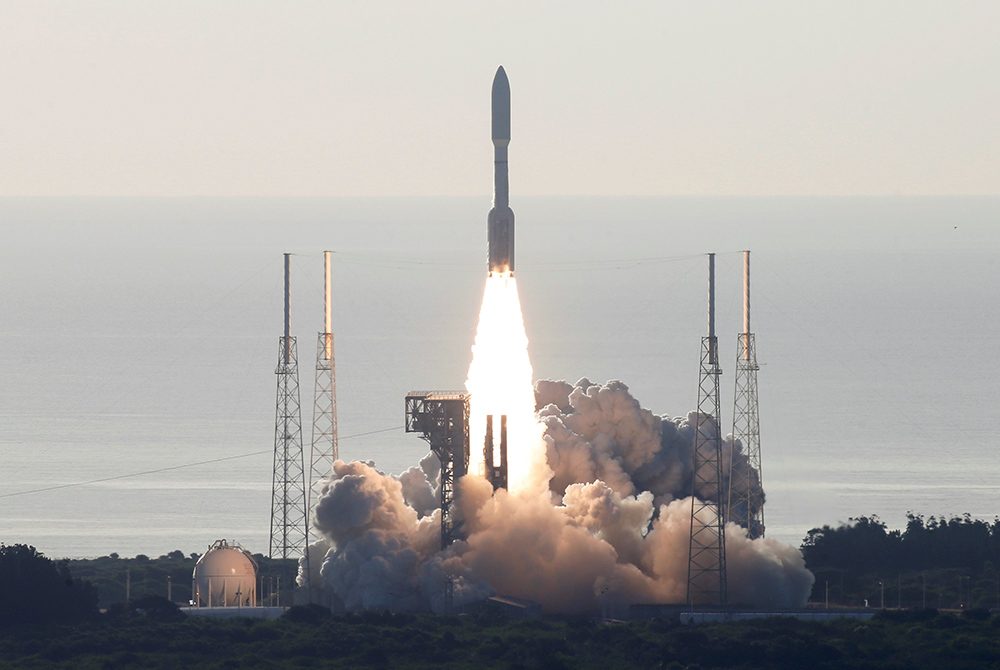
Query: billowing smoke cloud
{"type": "Point", "coordinates": [600, 432]}
{"type": "Point", "coordinates": [612, 528]}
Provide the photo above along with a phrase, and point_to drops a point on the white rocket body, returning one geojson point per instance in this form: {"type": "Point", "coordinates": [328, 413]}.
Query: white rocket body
{"type": "Point", "coordinates": [501, 218]}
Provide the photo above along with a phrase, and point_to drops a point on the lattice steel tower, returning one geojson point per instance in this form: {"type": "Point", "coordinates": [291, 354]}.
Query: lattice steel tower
{"type": "Point", "coordinates": [746, 503]}
{"type": "Point", "coordinates": [289, 530]}
{"type": "Point", "coordinates": [324, 427]}
{"type": "Point", "coordinates": [443, 419]}
{"type": "Point", "coordinates": [707, 548]}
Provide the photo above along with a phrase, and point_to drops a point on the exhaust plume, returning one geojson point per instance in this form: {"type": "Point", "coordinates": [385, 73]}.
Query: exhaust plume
{"type": "Point", "coordinates": [499, 383]}
{"type": "Point", "coordinates": [611, 523]}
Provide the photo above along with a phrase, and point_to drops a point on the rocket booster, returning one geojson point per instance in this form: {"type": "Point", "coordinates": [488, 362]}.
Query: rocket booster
{"type": "Point", "coordinates": [501, 219]}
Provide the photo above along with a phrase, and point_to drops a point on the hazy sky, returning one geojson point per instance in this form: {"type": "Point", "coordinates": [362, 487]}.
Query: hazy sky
{"type": "Point", "coordinates": [392, 98]}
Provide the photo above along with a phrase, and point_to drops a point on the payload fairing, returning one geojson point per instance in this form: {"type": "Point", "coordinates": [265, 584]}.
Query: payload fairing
{"type": "Point", "coordinates": [501, 218]}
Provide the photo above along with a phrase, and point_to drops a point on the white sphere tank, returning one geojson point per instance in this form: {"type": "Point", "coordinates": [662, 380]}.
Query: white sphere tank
{"type": "Point", "coordinates": [225, 576]}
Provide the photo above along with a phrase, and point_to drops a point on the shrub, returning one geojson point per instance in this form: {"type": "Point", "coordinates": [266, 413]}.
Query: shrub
{"type": "Point", "coordinates": [35, 590]}
{"type": "Point", "coordinates": [312, 614]}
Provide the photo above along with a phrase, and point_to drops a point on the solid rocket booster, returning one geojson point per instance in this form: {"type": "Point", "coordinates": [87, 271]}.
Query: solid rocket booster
{"type": "Point", "coordinates": [501, 218]}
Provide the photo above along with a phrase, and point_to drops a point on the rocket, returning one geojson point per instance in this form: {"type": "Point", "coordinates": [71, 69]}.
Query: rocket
{"type": "Point", "coordinates": [501, 219]}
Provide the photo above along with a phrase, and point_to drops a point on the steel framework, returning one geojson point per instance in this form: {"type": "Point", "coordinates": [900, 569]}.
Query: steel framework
{"type": "Point", "coordinates": [289, 518]}
{"type": "Point", "coordinates": [443, 419]}
{"type": "Point", "coordinates": [746, 502]}
{"type": "Point", "coordinates": [707, 547]}
{"type": "Point", "coordinates": [288, 492]}
{"type": "Point", "coordinates": [324, 426]}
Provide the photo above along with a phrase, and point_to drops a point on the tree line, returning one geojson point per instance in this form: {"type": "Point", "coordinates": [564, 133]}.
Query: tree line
{"type": "Point", "coordinates": [36, 590]}
{"type": "Point", "coordinates": [932, 562]}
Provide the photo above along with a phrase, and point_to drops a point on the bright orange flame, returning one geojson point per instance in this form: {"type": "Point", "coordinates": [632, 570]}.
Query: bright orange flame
{"type": "Point", "coordinates": [500, 383]}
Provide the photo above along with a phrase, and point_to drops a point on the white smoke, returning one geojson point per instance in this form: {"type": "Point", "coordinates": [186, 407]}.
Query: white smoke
{"type": "Point", "coordinates": [613, 526]}
{"type": "Point", "coordinates": [600, 432]}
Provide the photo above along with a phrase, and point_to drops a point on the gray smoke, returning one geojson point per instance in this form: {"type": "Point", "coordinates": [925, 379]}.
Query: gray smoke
{"type": "Point", "coordinates": [600, 432]}
{"type": "Point", "coordinates": [613, 527]}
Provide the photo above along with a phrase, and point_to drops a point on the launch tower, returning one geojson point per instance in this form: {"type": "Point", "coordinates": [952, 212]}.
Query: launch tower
{"type": "Point", "coordinates": [443, 419]}
{"type": "Point", "coordinates": [324, 428]}
{"type": "Point", "coordinates": [289, 518]}
{"type": "Point", "coordinates": [707, 549]}
{"type": "Point", "coordinates": [746, 504]}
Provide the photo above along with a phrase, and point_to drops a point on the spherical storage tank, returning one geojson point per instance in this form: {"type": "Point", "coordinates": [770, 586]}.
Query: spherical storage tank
{"type": "Point", "coordinates": [225, 576]}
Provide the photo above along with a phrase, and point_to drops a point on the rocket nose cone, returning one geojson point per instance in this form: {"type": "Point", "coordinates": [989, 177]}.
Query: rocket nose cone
{"type": "Point", "coordinates": [501, 105]}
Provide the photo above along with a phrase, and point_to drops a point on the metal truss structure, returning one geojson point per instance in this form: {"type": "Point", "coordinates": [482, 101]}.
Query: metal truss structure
{"type": "Point", "coordinates": [324, 427]}
{"type": "Point", "coordinates": [442, 418]}
{"type": "Point", "coordinates": [288, 492]}
{"type": "Point", "coordinates": [707, 548]}
{"type": "Point", "coordinates": [746, 502]}
{"type": "Point", "coordinates": [289, 518]}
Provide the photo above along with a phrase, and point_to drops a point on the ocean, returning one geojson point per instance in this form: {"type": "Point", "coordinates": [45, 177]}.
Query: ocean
{"type": "Point", "coordinates": [139, 337]}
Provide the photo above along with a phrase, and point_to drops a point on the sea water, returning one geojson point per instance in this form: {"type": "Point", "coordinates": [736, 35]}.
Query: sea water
{"type": "Point", "coordinates": [139, 338]}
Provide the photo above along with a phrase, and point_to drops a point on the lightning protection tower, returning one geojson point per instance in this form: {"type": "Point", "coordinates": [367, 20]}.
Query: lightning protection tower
{"type": "Point", "coordinates": [707, 548]}
{"type": "Point", "coordinates": [324, 427]}
{"type": "Point", "coordinates": [289, 530]}
{"type": "Point", "coordinates": [746, 501]}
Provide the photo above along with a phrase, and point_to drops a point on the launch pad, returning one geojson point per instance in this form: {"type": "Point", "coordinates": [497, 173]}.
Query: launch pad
{"type": "Point", "coordinates": [443, 418]}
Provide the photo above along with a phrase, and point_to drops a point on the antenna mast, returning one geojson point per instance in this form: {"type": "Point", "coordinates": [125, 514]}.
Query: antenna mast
{"type": "Point", "coordinates": [746, 502]}
{"type": "Point", "coordinates": [707, 548]}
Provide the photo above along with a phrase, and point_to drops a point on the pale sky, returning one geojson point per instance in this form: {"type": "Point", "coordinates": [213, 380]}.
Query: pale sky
{"type": "Point", "coordinates": [392, 98]}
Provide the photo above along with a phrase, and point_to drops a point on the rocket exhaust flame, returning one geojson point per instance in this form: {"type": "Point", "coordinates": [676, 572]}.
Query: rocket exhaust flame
{"type": "Point", "coordinates": [494, 455]}
{"type": "Point", "coordinates": [500, 385]}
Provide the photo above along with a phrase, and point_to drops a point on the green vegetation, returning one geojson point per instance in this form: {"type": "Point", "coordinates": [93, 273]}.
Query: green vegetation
{"type": "Point", "coordinates": [934, 563]}
{"type": "Point", "coordinates": [49, 618]}
{"type": "Point", "coordinates": [309, 637]}
{"type": "Point", "coordinates": [34, 590]}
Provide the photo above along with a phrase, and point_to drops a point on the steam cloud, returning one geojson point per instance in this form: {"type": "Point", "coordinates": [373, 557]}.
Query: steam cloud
{"type": "Point", "coordinates": [612, 525]}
